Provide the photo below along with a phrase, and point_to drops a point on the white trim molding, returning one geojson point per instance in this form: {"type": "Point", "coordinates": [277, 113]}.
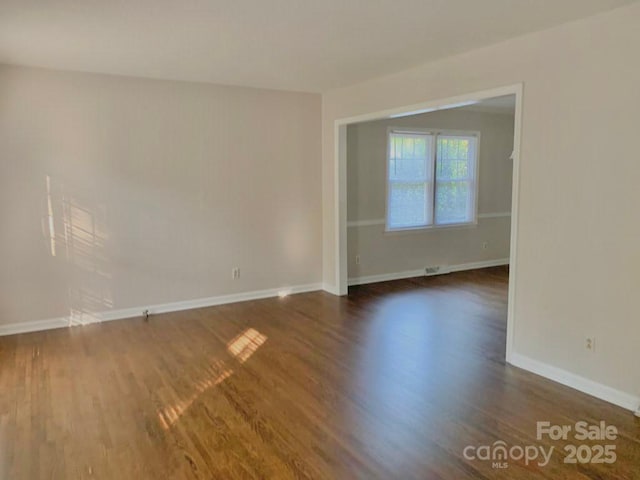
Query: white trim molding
{"type": "Point", "coordinates": [330, 289]}
{"type": "Point", "coordinates": [385, 277]}
{"type": "Point", "coordinates": [365, 223]}
{"type": "Point", "coordinates": [582, 384]}
{"type": "Point", "coordinates": [87, 318]}
{"type": "Point", "coordinates": [494, 215]}
{"type": "Point", "coordinates": [34, 326]}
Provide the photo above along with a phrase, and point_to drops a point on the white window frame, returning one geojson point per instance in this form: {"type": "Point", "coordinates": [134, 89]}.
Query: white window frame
{"type": "Point", "coordinates": [476, 178]}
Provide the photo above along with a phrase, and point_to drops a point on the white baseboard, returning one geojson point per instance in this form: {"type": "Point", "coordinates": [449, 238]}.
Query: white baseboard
{"type": "Point", "coordinates": [97, 317]}
{"type": "Point", "coordinates": [332, 289]}
{"type": "Point", "coordinates": [476, 265]}
{"type": "Point", "coordinates": [34, 326]}
{"type": "Point", "coordinates": [385, 277]}
{"type": "Point", "coordinates": [582, 384]}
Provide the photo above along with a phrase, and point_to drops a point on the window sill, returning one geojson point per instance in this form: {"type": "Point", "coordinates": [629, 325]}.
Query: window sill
{"type": "Point", "coordinates": [429, 228]}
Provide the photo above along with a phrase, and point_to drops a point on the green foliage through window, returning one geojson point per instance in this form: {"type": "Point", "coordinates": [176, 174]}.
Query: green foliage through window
{"type": "Point", "coordinates": [431, 179]}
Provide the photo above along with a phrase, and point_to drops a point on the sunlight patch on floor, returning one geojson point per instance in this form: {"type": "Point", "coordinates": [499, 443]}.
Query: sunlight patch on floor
{"type": "Point", "coordinates": [241, 348]}
{"type": "Point", "coordinates": [245, 344]}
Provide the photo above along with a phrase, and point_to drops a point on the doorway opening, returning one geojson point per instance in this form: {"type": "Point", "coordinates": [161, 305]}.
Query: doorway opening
{"type": "Point", "coordinates": [429, 189]}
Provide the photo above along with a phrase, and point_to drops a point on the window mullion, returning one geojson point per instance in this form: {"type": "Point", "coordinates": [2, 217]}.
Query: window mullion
{"type": "Point", "coordinates": [434, 160]}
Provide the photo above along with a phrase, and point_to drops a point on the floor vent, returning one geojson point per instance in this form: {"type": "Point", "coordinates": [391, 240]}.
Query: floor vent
{"type": "Point", "coordinates": [432, 270]}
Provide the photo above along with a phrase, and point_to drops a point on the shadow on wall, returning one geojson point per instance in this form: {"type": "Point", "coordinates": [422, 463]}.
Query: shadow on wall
{"type": "Point", "coordinates": [76, 233]}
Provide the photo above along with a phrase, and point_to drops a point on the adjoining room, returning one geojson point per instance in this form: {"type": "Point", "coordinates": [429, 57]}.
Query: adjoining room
{"type": "Point", "coordinates": [430, 193]}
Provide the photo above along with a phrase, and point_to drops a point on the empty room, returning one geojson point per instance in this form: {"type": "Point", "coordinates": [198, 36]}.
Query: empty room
{"type": "Point", "coordinates": [344, 239]}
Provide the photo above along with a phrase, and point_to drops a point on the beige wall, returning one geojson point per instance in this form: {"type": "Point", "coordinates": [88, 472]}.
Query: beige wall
{"type": "Point", "coordinates": [158, 189]}
{"type": "Point", "coordinates": [383, 253]}
{"type": "Point", "coordinates": [577, 257]}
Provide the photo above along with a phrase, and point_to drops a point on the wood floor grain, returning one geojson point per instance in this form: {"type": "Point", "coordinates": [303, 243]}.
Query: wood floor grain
{"type": "Point", "coordinates": [392, 382]}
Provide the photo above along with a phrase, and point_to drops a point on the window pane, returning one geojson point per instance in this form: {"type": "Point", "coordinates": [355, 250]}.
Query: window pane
{"type": "Point", "coordinates": [454, 157]}
{"type": "Point", "coordinates": [455, 179]}
{"type": "Point", "coordinates": [455, 147]}
{"type": "Point", "coordinates": [407, 205]}
{"type": "Point", "coordinates": [452, 170]}
{"type": "Point", "coordinates": [453, 202]}
{"type": "Point", "coordinates": [409, 156]}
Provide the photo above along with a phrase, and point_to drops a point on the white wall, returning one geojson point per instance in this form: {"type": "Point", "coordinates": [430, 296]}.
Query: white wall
{"type": "Point", "coordinates": [384, 253]}
{"type": "Point", "coordinates": [158, 189]}
{"type": "Point", "coordinates": [577, 257]}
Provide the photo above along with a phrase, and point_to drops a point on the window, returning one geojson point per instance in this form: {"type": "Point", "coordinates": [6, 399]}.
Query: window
{"type": "Point", "coordinates": [431, 179]}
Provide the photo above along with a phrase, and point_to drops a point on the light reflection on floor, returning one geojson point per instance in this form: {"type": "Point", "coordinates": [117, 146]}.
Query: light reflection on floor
{"type": "Point", "coordinates": [241, 348]}
{"type": "Point", "coordinates": [245, 344]}
{"type": "Point", "coordinates": [401, 368]}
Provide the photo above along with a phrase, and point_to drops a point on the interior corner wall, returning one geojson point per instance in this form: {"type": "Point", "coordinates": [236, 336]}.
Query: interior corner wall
{"type": "Point", "coordinates": [120, 192]}
{"type": "Point", "coordinates": [382, 253]}
{"type": "Point", "coordinates": [577, 256]}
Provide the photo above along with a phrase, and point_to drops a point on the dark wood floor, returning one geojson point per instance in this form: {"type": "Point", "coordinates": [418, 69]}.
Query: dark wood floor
{"type": "Point", "coordinates": [392, 382]}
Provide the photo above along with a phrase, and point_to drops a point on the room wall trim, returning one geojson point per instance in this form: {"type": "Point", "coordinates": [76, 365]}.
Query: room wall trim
{"type": "Point", "coordinates": [87, 318]}
{"type": "Point", "coordinates": [365, 223]}
{"type": "Point", "coordinates": [330, 289]}
{"type": "Point", "coordinates": [384, 277]}
{"type": "Point", "coordinates": [577, 382]}
{"type": "Point", "coordinates": [494, 215]}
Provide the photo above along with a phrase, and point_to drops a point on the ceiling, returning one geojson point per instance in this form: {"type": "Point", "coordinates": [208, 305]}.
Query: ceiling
{"type": "Point", "coordinates": [304, 45]}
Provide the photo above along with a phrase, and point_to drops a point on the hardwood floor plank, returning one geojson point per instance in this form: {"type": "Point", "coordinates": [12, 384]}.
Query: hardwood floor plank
{"type": "Point", "coordinates": [391, 382]}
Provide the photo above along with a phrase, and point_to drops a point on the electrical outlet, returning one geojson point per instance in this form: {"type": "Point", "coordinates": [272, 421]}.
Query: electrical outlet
{"type": "Point", "coordinates": [485, 245]}
{"type": "Point", "coordinates": [235, 273]}
{"type": "Point", "coordinates": [357, 259]}
{"type": "Point", "coordinates": [590, 344]}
